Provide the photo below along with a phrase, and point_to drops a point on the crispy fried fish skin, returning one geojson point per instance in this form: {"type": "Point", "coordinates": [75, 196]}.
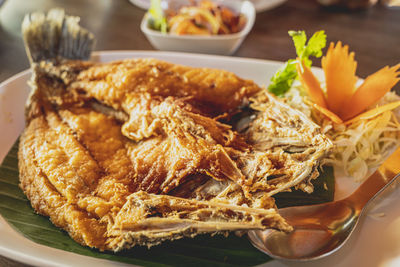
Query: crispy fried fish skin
{"type": "Point", "coordinates": [86, 183]}
{"type": "Point", "coordinates": [134, 152]}
{"type": "Point", "coordinates": [220, 91]}
{"type": "Point", "coordinates": [46, 190]}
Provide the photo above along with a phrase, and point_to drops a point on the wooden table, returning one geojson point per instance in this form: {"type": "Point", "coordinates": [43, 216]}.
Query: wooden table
{"type": "Point", "coordinates": [374, 34]}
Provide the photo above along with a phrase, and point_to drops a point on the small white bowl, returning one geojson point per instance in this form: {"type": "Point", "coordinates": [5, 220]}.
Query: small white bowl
{"type": "Point", "coordinates": [225, 44]}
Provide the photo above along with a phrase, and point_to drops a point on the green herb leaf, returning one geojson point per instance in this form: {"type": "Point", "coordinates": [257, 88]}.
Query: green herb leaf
{"type": "Point", "coordinates": [315, 45]}
{"type": "Point", "coordinates": [283, 79]}
{"type": "Point", "coordinates": [299, 39]}
{"type": "Point", "coordinates": [157, 20]}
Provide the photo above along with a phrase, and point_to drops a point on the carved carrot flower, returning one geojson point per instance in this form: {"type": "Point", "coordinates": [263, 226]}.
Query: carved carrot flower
{"type": "Point", "coordinates": [343, 101]}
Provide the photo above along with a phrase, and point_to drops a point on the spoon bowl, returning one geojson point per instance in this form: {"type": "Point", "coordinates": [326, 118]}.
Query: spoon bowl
{"type": "Point", "coordinates": [319, 230]}
{"type": "Point", "coordinates": [313, 236]}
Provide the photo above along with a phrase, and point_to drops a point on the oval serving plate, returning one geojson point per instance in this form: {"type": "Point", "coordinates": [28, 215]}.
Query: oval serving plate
{"type": "Point", "coordinates": [370, 246]}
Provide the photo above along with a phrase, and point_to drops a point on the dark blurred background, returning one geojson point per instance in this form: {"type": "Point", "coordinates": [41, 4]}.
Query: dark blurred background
{"type": "Point", "coordinates": [373, 33]}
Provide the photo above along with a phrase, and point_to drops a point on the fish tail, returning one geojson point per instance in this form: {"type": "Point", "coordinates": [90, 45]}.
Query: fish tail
{"type": "Point", "coordinates": [54, 36]}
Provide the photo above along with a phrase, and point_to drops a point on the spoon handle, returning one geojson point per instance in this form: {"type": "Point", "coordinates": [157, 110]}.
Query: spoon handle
{"type": "Point", "coordinates": [380, 179]}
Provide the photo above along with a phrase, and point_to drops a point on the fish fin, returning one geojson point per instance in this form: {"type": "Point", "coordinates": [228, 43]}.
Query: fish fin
{"type": "Point", "coordinates": [55, 35]}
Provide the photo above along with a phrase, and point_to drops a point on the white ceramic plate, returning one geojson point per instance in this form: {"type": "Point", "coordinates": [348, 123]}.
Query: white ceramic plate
{"type": "Point", "coordinates": [260, 5]}
{"type": "Point", "coordinates": [376, 242]}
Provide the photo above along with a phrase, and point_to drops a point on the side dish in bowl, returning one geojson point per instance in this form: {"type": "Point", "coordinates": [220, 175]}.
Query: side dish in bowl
{"type": "Point", "coordinates": [212, 27]}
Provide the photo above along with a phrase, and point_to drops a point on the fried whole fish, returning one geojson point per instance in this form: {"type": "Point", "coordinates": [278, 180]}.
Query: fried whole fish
{"type": "Point", "coordinates": [139, 151]}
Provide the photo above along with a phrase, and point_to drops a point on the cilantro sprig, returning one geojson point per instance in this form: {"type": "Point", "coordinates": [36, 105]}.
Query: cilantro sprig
{"type": "Point", "coordinates": [283, 79]}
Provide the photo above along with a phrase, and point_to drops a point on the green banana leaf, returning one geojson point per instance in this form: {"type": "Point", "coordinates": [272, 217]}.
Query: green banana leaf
{"type": "Point", "coordinates": [203, 250]}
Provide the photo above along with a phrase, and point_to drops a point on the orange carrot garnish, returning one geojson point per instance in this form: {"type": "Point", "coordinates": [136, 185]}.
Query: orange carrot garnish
{"type": "Point", "coordinates": [342, 100]}
{"type": "Point", "coordinates": [340, 68]}
{"type": "Point", "coordinates": [374, 88]}
{"type": "Point", "coordinates": [374, 112]}
{"type": "Point", "coordinates": [311, 84]}
{"type": "Point", "coordinates": [332, 116]}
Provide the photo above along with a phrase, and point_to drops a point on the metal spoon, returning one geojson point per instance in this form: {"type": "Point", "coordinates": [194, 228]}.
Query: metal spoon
{"type": "Point", "coordinates": [320, 230]}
